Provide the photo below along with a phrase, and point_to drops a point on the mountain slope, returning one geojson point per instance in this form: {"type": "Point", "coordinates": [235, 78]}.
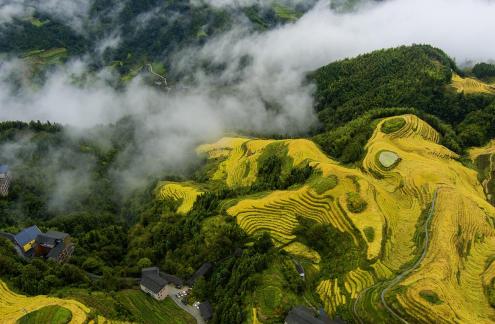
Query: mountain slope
{"type": "Point", "coordinates": [379, 208]}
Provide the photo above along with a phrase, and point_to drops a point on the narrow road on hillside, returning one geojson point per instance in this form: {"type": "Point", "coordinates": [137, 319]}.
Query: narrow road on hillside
{"type": "Point", "coordinates": [193, 311]}
{"type": "Point", "coordinates": [150, 69]}
{"type": "Point", "coordinates": [401, 276]}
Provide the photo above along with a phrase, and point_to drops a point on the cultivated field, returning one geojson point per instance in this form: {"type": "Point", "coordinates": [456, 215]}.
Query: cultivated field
{"type": "Point", "coordinates": [145, 309]}
{"type": "Point", "coordinates": [13, 306]}
{"type": "Point", "coordinates": [396, 190]}
{"type": "Point", "coordinates": [185, 195]}
{"type": "Point", "coordinates": [471, 85]}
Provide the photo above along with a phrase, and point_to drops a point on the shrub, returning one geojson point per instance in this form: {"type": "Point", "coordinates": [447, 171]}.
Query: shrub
{"type": "Point", "coordinates": [369, 232]}
{"type": "Point", "coordinates": [393, 125]}
{"type": "Point", "coordinates": [431, 297]}
{"type": "Point", "coordinates": [484, 70]}
{"type": "Point", "coordinates": [322, 184]}
{"type": "Point", "coordinates": [355, 203]}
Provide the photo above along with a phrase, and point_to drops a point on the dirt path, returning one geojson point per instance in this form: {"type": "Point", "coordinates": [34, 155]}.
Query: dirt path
{"type": "Point", "coordinates": [402, 275]}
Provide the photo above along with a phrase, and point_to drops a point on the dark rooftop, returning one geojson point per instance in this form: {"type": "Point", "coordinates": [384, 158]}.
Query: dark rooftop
{"type": "Point", "coordinates": [205, 310]}
{"type": "Point", "coordinates": [55, 252]}
{"type": "Point", "coordinates": [27, 235]}
{"type": "Point", "coordinates": [57, 235]}
{"type": "Point", "coordinates": [45, 239]}
{"type": "Point", "coordinates": [172, 279]}
{"type": "Point", "coordinates": [150, 271]}
{"type": "Point", "coordinates": [51, 238]}
{"type": "Point", "coordinates": [202, 271]}
{"type": "Point", "coordinates": [299, 268]}
{"type": "Point", "coordinates": [153, 282]}
{"type": "Point", "coordinates": [302, 315]}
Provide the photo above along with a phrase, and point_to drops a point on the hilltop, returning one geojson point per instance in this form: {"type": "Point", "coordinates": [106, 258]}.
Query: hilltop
{"type": "Point", "coordinates": [371, 224]}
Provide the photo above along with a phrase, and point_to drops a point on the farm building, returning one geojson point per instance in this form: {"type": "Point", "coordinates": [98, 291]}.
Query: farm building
{"type": "Point", "coordinates": [304, 315]}
{"type": "Point", "coordinates": [178, 282]}
{"type": "Point", "coordinates": [205, 310]}
{"type": "Point", "coordinates": [4, 180]}
{"type": "Point", "coordinates": [153, 284]}
{"type": "Point", "coordinates": [201, 272]}
{"type": "Point", "coordinates": [52, 245]}
{"type": "Point", "coordinates": [26, 238]}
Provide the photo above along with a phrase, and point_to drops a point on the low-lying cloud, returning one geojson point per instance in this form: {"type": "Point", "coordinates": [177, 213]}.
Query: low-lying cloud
{"type": "Point", "coordinates": [261, 88]}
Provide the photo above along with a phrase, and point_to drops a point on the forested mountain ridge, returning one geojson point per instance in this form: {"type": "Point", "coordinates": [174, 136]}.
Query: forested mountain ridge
{"type": "Point", "coordinates": [418, 78]}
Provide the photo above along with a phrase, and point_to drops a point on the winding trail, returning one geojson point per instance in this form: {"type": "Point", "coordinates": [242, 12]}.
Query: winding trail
{"type": "Point", "coordinates": [401, 276]}
{"type": "Point", "coordinates": [150, 69]}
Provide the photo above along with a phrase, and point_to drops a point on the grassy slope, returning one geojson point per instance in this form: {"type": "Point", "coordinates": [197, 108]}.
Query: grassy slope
{"type": "Point", "coordinates": [48, 314]}
{"type": "Point", "coordinates": [147, 310]}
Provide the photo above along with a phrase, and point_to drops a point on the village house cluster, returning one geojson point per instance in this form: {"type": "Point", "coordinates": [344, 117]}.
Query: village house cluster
{"type": "Point", "coordinates": [52, 245]}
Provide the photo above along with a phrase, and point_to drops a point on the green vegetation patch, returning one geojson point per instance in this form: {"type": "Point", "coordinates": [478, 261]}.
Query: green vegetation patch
{"type": "Point", "coordinates": [279, 289]}
{"type": "Point", "coordinates": [339, 253]}
{"type": "Point", "coordinates": [486, 174]}
{"type": "Point", "coordinates": [46, 57]}
{"type": "Point", "coordinates": [148, 310]}
{"type": "Point", "coordinates": [369, 232]}
{"type": "Point", "coordinates": [321, 184]}
{"type": "Point", "coordinates": [48, 314]}
{"type": "Point", "coordinates": [388, 159]}
{"type": "Point", "coordinates": [270, 297]}
{"type": "Point", "coordinates": [431, 297]}
{"type": "Point", "coordinates": [491, 293]}
{"type": "Point", "coordinates": [484, 71]}
{"type": "Point", "coordinates": [355, 203]}
{"type": "Point", "coordinates": [275, 169]}
{"type": "Point", "coordinates": [38, 22]}
{"type": "Point", "coordinates": [393, 125]}
{"type": "Point", "coordinates": [285, 13]}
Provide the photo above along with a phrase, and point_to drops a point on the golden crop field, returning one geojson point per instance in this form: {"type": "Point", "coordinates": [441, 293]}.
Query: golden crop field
{"type": "Point", "coordinates": [185, 194]}
{"type": "Point", "coordinates": [330, 294]}
{"type": "Point", "coordinates": [471, 85]}
{"type": "Point", "coordinates": [397, 196]}
{"type": "Point", "coordinates": [302, 251]}
{"type": "Point", "coordinates": [357, 280]}
{"type": "Point", "coordinates": [14, 306]}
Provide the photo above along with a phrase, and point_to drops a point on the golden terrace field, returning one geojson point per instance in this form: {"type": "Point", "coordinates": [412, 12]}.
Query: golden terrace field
{"type": "Point", "coordinates": [450, 281]}
{"type": "Point", "coordinates": [471, 85]}
{"type": "Point", "coordinates": [14, 306]}
{"type": "Point", "coordinates": [183, 194]}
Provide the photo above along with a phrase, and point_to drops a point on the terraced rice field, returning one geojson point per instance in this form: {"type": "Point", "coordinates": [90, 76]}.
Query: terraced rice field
{"type": "Point", "coordinates": [471, 85]}
{"type": "Point", "coordinates": [331, 295]}
{"type": "Point", "coordinates": [14, 306]}
{"type": "Point", "coordinates": [462, 240]}
{"type": "Point", "coordinates": [450, 281]}
{"type": "Point", "coordinates": [357, 280]}
{"type": "Point", "coordinates": [278, 212]}
{"type": "Point", "coordinates": [185, 194]}
{"type": "Point", "coordinates": [150, 311]}
{"type": "Point", "coordinates": [484, 159]}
